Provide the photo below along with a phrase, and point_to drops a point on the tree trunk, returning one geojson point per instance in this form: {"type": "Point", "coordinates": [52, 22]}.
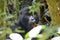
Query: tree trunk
{"type": "Point", "coordinates": [54, 9]}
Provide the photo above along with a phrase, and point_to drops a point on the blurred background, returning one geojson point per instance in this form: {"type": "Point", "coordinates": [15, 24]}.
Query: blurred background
{"type": "Point", "coordinates": [48, 13]}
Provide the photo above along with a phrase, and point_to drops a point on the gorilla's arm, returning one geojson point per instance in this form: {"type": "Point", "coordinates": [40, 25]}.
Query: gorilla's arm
{"type": "Point", "coordinates": [23, 23]}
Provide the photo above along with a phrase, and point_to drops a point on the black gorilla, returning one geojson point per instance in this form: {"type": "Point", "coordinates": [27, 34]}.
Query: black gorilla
{"type": "Point", "coordinates": [25, 19]}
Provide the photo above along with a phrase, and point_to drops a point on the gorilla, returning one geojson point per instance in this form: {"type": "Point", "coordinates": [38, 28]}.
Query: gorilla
{"type": "Point", "coordinates": [26, 19]}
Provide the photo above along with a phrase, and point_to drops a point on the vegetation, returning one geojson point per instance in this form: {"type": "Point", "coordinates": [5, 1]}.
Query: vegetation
{"type": "Point", "coordinates": [9, 13]}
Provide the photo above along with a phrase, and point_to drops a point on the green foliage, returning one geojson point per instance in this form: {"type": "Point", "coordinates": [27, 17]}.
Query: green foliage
{"type": "Point", "coordinates": [1, 6]}
{"type": "Point", "coordinates": [49, 32]}
{"type": "Point", "coordinates": [5, 17]}
{"type": "Point", "coordinates": [36, 7]}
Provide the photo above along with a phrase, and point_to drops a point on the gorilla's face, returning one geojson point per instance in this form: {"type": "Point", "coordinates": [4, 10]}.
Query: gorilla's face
{"type": "Point", "coordinates": [31, 19]}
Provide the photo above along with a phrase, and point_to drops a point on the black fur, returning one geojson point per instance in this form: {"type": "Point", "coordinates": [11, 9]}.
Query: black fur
{"type": "Point", "coordinates": [23, 20]}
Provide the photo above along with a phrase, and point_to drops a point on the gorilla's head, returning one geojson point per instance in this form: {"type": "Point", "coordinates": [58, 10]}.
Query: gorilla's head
{"type": "Point", "coordinates": [28, 18]}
